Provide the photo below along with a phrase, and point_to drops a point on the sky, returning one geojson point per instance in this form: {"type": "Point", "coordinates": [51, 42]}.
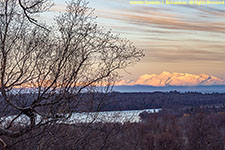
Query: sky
{"type": "Point", "coordinates": [175, 38]}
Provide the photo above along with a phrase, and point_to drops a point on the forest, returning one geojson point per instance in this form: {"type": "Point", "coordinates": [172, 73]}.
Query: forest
{"type": "Point", "coordinates": [187, 121]}
{"type": "Point", "coordinates": [173, 99]}
{"type": "Point", "coordinates": [199, 129]}
{"type": "Point", "coordinates": [115, 101]}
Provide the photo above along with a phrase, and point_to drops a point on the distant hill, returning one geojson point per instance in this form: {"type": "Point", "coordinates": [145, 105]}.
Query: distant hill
{"type": "Point", "coordinates": [147, 88]}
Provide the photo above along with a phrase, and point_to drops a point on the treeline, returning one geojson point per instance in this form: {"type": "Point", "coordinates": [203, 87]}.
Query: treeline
{"type": "Point", "coordinates": [92, 102]}
{"type": "Point", "coordinates": [138, 101]}
{"type": "Point", "coordinates": [200, 130]}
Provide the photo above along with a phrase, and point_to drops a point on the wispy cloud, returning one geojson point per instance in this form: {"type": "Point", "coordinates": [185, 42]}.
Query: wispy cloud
{"type": "Point", "coordinates": [183, 35]}
{"type": "Point", "coordinates": [167, 19]}
{"type": "Point", "coordinates": [171, 35]}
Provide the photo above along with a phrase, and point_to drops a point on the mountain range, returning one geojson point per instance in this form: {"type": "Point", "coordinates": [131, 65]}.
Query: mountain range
{"type": "Point", "coordinates": [174, 79]}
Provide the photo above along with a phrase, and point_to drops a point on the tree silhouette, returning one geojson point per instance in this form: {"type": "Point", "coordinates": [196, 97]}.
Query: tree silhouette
{"type": "Point", "coordinates": [44, 68]}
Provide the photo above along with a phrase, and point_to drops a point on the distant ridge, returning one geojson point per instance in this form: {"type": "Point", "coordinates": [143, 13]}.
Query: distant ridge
{"type": "Point", "coordinates": [182, 89]}
{"type": "Point", "coordinates": [174, 79]}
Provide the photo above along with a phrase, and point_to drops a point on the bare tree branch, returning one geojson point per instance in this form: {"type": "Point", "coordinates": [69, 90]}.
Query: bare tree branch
{"type": "Point", "coordinates": [43, 73]}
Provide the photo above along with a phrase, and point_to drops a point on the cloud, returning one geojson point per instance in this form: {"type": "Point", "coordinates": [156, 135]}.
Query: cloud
{"type": "Point", "coordinates": [173, 34]}
{"type": "Point", "coordinates": [162, 17]}
{"type": "Point", "coordinates": [58, 8]}
{"type": "Point", "coordinates": [177, 52]}
{"type": "Point", "coordinates": [180, 34]}
{"type": "Point", "coordinates": [166, 19]}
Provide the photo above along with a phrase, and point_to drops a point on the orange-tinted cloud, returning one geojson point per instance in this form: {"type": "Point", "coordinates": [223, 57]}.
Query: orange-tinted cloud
{"type": "Point", "coordinates": [172, 36]}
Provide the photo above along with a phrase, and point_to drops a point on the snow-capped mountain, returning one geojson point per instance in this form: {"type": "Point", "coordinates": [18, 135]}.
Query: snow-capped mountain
{"type": "Point", "coordinates": [174, 79]}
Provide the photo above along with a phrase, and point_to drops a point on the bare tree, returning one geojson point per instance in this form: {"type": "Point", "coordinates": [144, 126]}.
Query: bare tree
{"type": "Point", "coordinates": [43, 72]}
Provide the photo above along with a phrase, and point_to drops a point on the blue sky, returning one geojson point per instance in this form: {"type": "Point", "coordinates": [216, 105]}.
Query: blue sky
{"type": "Point", "coordinates": [175, 38]}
